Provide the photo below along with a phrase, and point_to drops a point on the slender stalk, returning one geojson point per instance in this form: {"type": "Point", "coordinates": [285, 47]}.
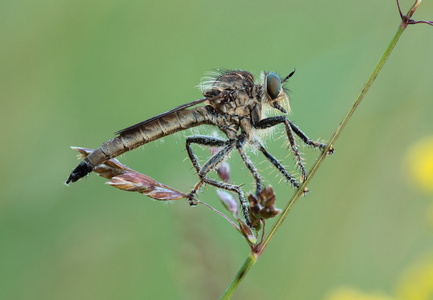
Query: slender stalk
{"type": "Point", "coordinates": [249, 262]}
{"type": "Point", "coordinates": [334, 137]}
{"type": "Point", "coordinates": [257, 251]}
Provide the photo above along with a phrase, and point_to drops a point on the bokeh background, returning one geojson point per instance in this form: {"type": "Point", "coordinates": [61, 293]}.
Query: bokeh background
{"type": "Point", "coordinates": [73, 72]}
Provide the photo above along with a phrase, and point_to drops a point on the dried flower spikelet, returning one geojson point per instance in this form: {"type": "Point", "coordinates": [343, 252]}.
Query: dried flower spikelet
{"type": "Point", "coordinates": [164, 194]}
{"type": "Point", "coordinates": [229, 202]}
{"type": "Point", "coordinates": [127, 179]}
{"type": "Point", "coordinates": [104, 171]}
{"type": "Point", "coordinates": [134, 182]}
{"type": "Point", "coordinates": [255, 206]}
{"type": "Point", "coordinates": [263, 207]}
{"type": "Point", "coordinates": [83, 151]}
{"type": "Point", "coordinates": [116, 165]}
{"type": "Point", "coordinates": [267, 197]}
{"type": "Point", "coordinates": [270, 212]}
{"type": "Point", "coordinates": [137, 182]}
{"type": "Point", "coordinates": [254, 211]}
{"type": "Point", "coordinates": [247, 233]}
{"type": "Point", "coordinates": [214, 150]}
{"type": "Point", "coordinates": [224, 171]}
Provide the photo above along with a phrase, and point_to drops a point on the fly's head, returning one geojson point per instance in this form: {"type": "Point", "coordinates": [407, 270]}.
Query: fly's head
{"type": "Point", "coordinates": [274, 93]}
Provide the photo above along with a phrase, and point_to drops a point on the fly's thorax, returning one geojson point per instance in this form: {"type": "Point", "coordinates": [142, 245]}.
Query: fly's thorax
{"type": "Point", "coordinates": [227, 81]}
{"type": "Point", "coordinates": [245, 98]}
{"type": "Point", "coordinates": [238, 104]}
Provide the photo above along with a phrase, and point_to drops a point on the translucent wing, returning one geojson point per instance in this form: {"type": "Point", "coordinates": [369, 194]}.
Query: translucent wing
{"type": "Point", "coordinates": [170, 112]}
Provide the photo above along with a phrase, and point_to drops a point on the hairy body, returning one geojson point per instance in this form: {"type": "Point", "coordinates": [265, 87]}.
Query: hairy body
{"type": "Point", "coordinates": [234, 103]}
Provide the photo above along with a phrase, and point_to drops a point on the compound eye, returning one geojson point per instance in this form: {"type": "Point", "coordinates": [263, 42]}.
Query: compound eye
{"type": "Point", "coordinates": [273, 85]}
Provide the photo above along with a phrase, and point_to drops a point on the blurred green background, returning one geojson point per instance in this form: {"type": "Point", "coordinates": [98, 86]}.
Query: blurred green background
{"type": "Point", "coordinates": [73, 72]}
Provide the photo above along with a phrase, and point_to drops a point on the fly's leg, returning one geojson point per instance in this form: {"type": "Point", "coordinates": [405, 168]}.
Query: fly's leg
{"type": "Point", "coordinates": [239, 145]}
{"type": "Point", "coordinates": [272, 121]}
{"type": "Point", "coordinates": [230, 187]}
{"type": "Point", "coordinates": [213, 163]}
{"type": "Point", "coordinates": [205, 141]}
{"type": "Point", "coordinates": [280, 168]}
{"type": "Point", "coordinates": [307, 140]}
{"type": "Point", "coordinates": [295, 150]}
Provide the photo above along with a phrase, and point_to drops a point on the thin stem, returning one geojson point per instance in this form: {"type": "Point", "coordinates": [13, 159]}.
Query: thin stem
{"type": "Point", "coordinates": [220, 213]}
{"type": "Point", "coordinates": [257, 251]}
{"type": "Point", "coordinates": [334, 138]}
{"type": "Point", "coordinates": [249, 262]}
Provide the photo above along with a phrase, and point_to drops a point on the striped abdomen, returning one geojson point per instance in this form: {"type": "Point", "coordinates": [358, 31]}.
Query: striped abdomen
{"type": "Point", "coordinates": [137, 136]}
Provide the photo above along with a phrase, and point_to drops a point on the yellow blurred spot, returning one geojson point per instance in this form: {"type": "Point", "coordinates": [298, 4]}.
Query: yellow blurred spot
{"type": "Point", "coordinates": [417, 282]}
{"type": "Point", "coordinates": [420, 163]}
{"type": "Point", "coordinates": [346, 293]}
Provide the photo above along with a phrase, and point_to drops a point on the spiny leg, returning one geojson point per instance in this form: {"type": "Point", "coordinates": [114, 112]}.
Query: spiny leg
{"type": "Point", "coordinates": [272, 121]}
{"type": "Point", "coordinates": [279, 166]}
{"type": "Point", "coordinates": [232, 188]}
{"type": "Point", "coordinates": [239, 145]}
{"type": "Point", "coordinates": [211, 164]}
{"type": "Point", "coordinates": [205, 141]}
{"type": "Point", "coordinates": [295, 150]}
{"type": "Point", "coordinates": [307, 140]}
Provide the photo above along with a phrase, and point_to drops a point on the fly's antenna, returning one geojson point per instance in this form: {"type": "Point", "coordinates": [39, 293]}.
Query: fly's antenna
{"type": "Point", "coordinates": [288, 76]}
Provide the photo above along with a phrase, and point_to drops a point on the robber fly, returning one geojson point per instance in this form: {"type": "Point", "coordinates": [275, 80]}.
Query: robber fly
{"type": "Point", "coordinates": [235, 104]}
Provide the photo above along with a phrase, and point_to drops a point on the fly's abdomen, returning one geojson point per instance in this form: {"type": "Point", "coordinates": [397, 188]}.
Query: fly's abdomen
{"type": "Point", "coordinates": [163, 126]}
{"type": "Point", "coordinates": [140, 135]}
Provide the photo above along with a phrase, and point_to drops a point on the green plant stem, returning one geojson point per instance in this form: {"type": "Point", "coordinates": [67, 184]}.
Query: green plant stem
{"type": "Point", "coordinates": [256, 252]}
{"type": "Point", "coordinates": [333, 139]}
{"type": "Point", "coordinates": [249, 262]}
